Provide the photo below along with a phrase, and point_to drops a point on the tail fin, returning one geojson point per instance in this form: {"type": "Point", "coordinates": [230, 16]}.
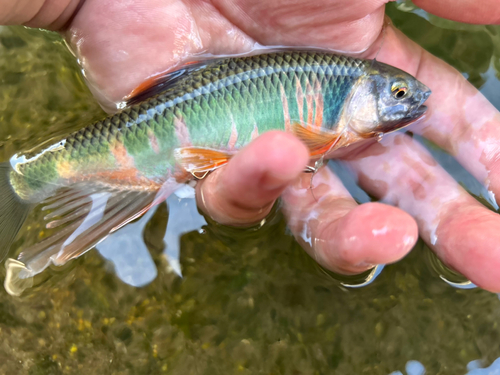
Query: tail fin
{"type": "Point", "coordinates": [13, 211]}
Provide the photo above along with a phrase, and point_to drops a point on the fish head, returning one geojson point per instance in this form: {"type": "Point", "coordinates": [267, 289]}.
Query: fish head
{"type": "Point", "coordinates": [386, 99]}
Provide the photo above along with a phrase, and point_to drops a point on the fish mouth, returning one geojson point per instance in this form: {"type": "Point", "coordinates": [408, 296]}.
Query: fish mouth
{"type": "Point", "coordinates": [409, 119]}
{"type": "Point", "coordinates": [420, 110]}
{"type": "Point", "coordinates": [414, 115]}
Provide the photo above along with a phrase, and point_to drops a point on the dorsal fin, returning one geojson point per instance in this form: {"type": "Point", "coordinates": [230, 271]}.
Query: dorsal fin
{"type": "Point", "coordinates": [160, 82]}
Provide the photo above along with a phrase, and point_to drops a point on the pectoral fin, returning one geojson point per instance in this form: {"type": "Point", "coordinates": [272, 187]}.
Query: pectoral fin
{"type": "Point", "coordinates": [199, 161]}
{"type": "Point", "coordinates": [317, 141]}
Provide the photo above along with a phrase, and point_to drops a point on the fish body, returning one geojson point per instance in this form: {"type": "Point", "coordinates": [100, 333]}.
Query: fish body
{"type": "Point", "coordinates": [193, 120]}
{"type": "Point", "coordinates": [221, 105]}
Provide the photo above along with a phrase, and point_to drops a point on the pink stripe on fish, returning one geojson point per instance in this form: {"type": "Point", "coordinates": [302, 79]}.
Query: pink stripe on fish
{"type": "Point", "coordinates": [182, 132]}
{"type": "Point", "coordinates": [255, 132]}
{"type": "Point", "coordinates": [233, 138]}
{"type": "Point", "coordinates": [299, 94]}
{"type": "Point", "coordinates": [153, 141]}
{"type": "Point", "coordinates": [122, 157]}
{"type": "Point", "coordinates": [318, 115]}
{"type": "Point", "coordinates": [310, 100]}
{"type": "Point", "coordinates": [286, 113]}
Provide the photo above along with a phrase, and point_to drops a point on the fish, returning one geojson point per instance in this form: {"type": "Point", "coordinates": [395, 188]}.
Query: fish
{"type": "Point", "coordinates": [181, 125]}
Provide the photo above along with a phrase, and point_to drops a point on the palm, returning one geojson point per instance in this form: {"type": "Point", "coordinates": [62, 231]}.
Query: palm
{"type": "Point", "coordinates": [154, 38]}
{"type": "Point", "coordinates": [122, 44]}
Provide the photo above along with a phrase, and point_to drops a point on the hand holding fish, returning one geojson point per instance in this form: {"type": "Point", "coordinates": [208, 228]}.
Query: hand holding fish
{"type": "Point", "coordinates": [112, 39]}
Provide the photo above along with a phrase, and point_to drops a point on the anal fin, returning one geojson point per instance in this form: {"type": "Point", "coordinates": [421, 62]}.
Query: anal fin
{"type": "Point", "coordinates": [81, 221]}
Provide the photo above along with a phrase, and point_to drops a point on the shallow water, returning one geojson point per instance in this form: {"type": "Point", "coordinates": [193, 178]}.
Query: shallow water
{"type": "Point", "coordinates": [250, 301]}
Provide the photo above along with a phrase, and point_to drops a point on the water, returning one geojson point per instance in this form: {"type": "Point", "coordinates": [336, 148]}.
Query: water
{"type": "Point", "coordinates": [249, 301]}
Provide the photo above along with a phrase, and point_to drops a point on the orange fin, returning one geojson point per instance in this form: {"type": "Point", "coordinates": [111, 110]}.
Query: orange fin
{"type": "Point", "coordinates": [199, 161]}
{"type": "Point", "coordinates": [160, 82]}
{"type": "Point", "coordinates": [315, 139]}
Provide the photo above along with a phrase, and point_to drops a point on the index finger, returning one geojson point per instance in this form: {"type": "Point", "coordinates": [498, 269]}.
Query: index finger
{"type": "Point", "coordinates": [243, 192]}
{"type": "Point", "coordinates": [470, 11]}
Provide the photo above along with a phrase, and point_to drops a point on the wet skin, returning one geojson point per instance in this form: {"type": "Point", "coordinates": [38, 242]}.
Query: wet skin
{"type": "Point", "coordinates": [112, 39]}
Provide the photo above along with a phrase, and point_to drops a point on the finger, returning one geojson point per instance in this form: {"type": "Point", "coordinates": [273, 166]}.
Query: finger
{"type": "Point", "coordinates": [462, 232]}
{"type": "Point", "coordinates": [244, 191]}
{"type": "Point", "coordinates": [37, 13]}
{"type": "Point", "coordinates": [116, 39]}
{"type": "Point", "coordinates": [459, 119]}
{"type": "Point", "coordinates": [341, 235]}
{"type": "Point", "coordinates": [122, 43]}
{"type": "Point", "coordinates": [470, 11]}
{"type": "Point", "coordinates": [306, 23]}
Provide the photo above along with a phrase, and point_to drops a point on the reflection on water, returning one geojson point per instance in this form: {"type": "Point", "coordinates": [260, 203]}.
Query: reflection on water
{"type": "Point", "coordinates": [130, 257]}
{"type": "Point", "coordinates": [446, 274]}
{"type": "Point", "coordinates": [412, 368]}
{"type": "Point", "coordinates": [183, 218]}
{"type": "Point", "coordinates": [370, 278]}
{"type": "Point", "coordinates": [249, 301]}
{"type": "Point", "coordinates": [475, 369]}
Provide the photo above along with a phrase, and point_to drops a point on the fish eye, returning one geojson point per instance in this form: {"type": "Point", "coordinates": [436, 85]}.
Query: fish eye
{"type": "Point", "coordinates": [399, 91]}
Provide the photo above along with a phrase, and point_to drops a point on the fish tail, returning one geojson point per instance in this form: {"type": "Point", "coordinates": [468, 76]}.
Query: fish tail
{"type": "Point", "coordinates": [13, 210]}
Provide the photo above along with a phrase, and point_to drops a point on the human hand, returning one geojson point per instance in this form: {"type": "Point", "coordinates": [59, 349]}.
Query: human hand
{"type": "Point", "coordinates": [121, 44]}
